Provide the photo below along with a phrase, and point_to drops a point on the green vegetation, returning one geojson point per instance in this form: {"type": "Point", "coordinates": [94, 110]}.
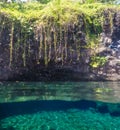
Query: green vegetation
{"type": "Point", "coordinates": [48, 24]}
{"type": "Point", "coordinates": [81, 1]}
{"type": "Point", "coordinates": [97, 61]}
{"type": "Point", "coordinates": [68, 9]}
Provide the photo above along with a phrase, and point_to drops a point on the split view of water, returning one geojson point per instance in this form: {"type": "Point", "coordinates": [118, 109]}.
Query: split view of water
{"type": "Point", "coordinates": [59, 105]}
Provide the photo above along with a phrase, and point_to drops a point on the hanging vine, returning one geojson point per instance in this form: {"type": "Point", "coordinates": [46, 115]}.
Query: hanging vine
{"type": "Point", "coordinates": [11, 44]}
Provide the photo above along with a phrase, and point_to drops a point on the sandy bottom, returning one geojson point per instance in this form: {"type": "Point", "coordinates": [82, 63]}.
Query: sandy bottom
{"type": "Point", "coordinates": [72, 119]}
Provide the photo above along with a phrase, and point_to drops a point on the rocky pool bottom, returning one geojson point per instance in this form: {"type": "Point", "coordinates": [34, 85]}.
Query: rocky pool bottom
{"type": "Point", "coordinates": [60, 115]}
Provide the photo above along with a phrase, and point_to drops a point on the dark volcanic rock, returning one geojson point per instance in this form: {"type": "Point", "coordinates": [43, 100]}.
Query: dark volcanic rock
{"type": "Point", "coordinates": [56, 53]}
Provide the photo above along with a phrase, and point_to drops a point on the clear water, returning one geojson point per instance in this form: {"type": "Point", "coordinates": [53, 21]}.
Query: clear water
{"type": "Point", "coordinates": [60, 106]}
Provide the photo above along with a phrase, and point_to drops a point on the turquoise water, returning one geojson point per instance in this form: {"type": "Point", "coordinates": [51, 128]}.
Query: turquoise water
{"type": "Point", "coordinates": [62, 120]}
{"type": "Point", "coordinates": [60, 106]}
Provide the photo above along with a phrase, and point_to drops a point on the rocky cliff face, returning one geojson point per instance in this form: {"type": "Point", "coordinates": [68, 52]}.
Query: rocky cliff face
{"type": "Point", "coordinates": [110, 48]}
{"type": "Point", "coordinates": [58, 52]}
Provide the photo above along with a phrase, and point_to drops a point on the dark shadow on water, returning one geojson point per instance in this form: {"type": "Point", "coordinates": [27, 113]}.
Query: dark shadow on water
{"type": "Point", "coordinates": [10, 109]}
{"type": "Point", "coordinates": [19, 108]}
{"type": "Point", "coordinates": [103, 109]}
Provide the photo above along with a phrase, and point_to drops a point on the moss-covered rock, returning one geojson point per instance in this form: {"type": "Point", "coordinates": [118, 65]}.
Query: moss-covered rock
{"type": "Point", "coordinates": [62, 33]}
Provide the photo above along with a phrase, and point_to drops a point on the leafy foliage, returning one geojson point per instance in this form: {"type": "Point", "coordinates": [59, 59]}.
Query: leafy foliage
{"type": "Point", "coordinates": [97, 61]}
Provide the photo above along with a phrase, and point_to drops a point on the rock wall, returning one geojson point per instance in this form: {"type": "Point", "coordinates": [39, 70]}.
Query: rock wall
{"type": "Point", "coordinates": [55, 52]}
{"type": "Point", "coordinates": [110, 47]}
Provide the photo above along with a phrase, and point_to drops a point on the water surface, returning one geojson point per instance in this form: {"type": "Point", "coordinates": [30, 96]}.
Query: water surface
{"type": "Point", "coordinates": [68, 91]}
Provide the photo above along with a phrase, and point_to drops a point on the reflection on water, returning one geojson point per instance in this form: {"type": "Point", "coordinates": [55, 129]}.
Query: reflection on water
{"type": "Point", "coordinates": [70, 91]}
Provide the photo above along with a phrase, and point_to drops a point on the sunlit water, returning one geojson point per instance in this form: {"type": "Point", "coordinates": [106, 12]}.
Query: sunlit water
{"type": "Point", "coordinates": [60, 106]}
